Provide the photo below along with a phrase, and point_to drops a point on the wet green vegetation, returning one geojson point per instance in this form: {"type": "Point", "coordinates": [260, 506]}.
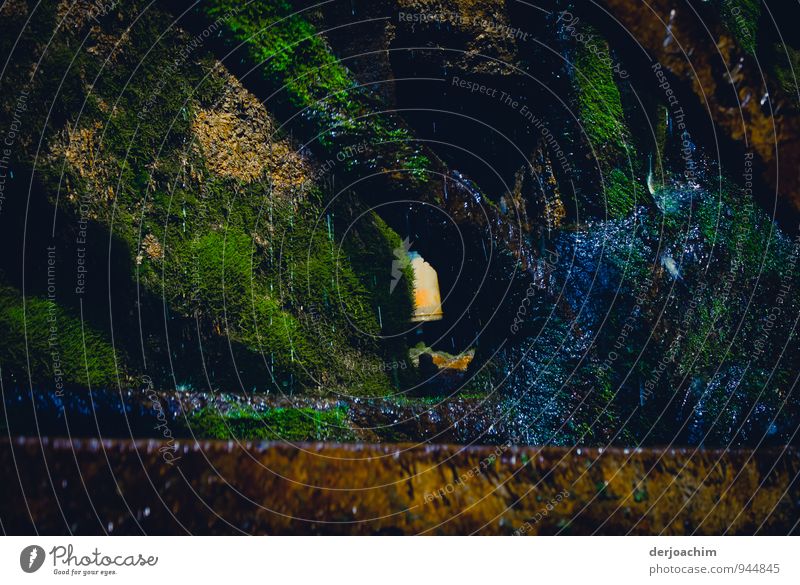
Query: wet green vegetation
{"type": "Point", "coordinates": [52, 344]}
{"type": "Point", "coordinates": [250, 271]}
{"type": "Point", "coordinates": [295, 57]}
{"type": "Point", "coordinates": [602, 118]}
{"type": "Point", "coordinates": [741, 19]}
{"type": "Point", "coordinates": [266, 271]}
{"type": "Point", "coordinates": [277, 424]}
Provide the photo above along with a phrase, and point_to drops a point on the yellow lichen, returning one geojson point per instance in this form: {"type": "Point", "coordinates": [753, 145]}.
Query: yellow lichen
{"type": "Point", "coordinates": [152, 247]}
{"type": "Point", "coordinates": [237, 138]}
{"type": "Point", "coordinates": [83, 150]}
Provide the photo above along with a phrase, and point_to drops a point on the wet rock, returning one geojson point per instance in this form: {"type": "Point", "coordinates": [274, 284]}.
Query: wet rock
{"type": "Point", "coordinates": [700, 53]}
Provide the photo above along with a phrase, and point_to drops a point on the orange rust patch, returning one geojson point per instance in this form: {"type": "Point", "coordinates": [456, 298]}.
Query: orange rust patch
{"type": "Point", "coordinates": [460, 363]}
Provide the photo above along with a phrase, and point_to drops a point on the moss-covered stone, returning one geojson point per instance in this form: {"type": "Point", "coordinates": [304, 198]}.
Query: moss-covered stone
{"type": "Point", "coordinates": [276, 424]}
{"type": "Point", "coordinates": [224, 216]}
{"type": "Point", "coordinates": [741, 19]}
{"type": "Point", "coordinates": [295, 57]}
{"type": "Point", "coordinates": [786, 69]}
{"type": "Point", "coordinates": [54, 346]}
{"type": "Point", "coordinates": [602, 120]}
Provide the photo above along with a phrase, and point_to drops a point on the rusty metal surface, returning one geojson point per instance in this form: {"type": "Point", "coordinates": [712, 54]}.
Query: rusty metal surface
{"type": "Point", "coordinates": [124, 487]}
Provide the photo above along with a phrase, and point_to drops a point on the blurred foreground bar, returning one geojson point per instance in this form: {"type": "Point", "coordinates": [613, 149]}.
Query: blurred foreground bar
{"type": "Point", "coordinates": [218, 487]}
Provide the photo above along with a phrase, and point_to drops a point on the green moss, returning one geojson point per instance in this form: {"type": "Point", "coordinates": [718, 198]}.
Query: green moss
{"type": "Point", "coordinates": [297, 60]}
{"type": "Point", "coordinates": [602, 119]}
{"type": "Point", "coordinates": [275, 424]}
{"type": "Point", "coordinates": [786, 69]}
{"type": "Point", "coordinates": [706, 340]}
{"type": "Point", "coordinates": [473, 395]}
{"type": "Point", "coordinates": [56, 345]}
{"type": "Point", "coordinates": [657, 166]}
{"type": "Point", "coordinates": [620, 194]}
{"type": "Point", "coordinates": [741, 17]}
{"type": "Point", "coordinates": [732, 220]}
{"type": "Point", "coordinates": [373, 251]}
{"type": "Point", "coordinates": [296, 300]}
{"type": "Point", "coordinates": [223, 264]}
{"type": "Point", "coordinates": [288, 46]}
{"type": "Point", "coordinates": [750, 256]}
{"type": "Point", "coordinates": [599, 99]}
